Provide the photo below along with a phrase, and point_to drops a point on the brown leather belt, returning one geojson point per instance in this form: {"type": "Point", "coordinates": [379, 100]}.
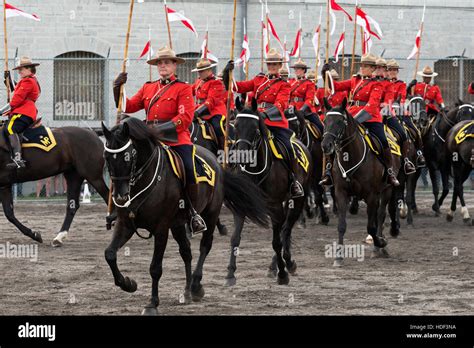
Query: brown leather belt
{"type": "Point", "coordinates": [265, 105]}
{"type": "Point", "coordinates": [155, 121]}
{"type": "Point", "coordinates": [357, 103]}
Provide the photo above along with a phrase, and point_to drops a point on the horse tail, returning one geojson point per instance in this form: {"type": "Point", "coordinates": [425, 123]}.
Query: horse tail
{"type": "Point", "coordinates": [244, 198]}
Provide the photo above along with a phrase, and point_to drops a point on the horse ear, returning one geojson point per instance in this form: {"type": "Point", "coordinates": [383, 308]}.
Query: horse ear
{"type": "Point", "coordinates": [460, 101]}
{"type": "Point", "coordinates": [327, 106]}
{"type": "Point", "coordinates": [125, 130]}
{"type": "Point", "coordinates": [344, 103]}
{"type": "Point", "coordinates": [254, 105]}
{"type": "Point", "coordinates": [106, 131]}
{"type": "Point", "coordinates": [238, 104]}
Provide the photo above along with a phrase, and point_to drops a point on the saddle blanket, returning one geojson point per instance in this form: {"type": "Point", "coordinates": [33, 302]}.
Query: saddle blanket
{"type": "Point", "coordinates": [39, 137]}
{"type": "Point", "coordinates": [375, 145]}
{"type": "Point", "coordinates": [298, 150]}
{"type": "Point", "coordinates": [466, 131]}
{"type": "Point", "coordinates": [203, 172]}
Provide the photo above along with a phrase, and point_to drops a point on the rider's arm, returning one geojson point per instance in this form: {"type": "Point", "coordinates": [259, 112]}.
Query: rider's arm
{"type": "Point", "coordinates": [283, 97]}
{"type": "Point", "coordinates": [343, 85]}
{"type": "Point", "coordinates": [310, 94]}
{"type": "Point", "coordinates": [373, 105]}
{"type": "Point", "coordinates": [135, 103]}
{"type": "Point", "coordinates": [244, 86]}
{"type": "Point", "coordinates": [215, 95]}
{"type": "Point", "coordinates": [439, 97]}
{"type": "Point", "coordinates": [185, 115]}
{"type": "Point", "coordinates": [24, 88]}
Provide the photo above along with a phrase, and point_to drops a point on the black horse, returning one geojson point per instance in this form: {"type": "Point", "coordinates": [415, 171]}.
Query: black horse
{"type": "Point", "coordinates": [356, 171]}
{"type": "Point", "coordinates": [272, 175]}
{"type": "Point", "coordinates": [436, 152]}
{"type": "Point", "coordinates": [149, 196]}
{"type": "Point", "coordinates": [77, 154]}
{"type": "Point", "coordinates": [298, 124]}
{"type": "Point", "coordinates": [462, 159]}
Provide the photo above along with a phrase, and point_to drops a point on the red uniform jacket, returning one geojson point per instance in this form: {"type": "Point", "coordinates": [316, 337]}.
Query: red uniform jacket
{"type": "Point", "coordinates": [27, 91]}
{"type": "Point", "coordinates": [333, 99]}
{"type": "Point", "coordinates": [175, 104]}
{"type": "Point", "coordinates": [302, 92]}
{"type": "Point", "coordinates": [274, 91]}
{"type": "Point", "coordinates": [430, 93]}
{"type": "Point", "coordinates": [470, 89]}
{"type": "Point", "coordinates": [366, 90]}
{"type": "Point", "coordinates": [399, 90]}
{"type": "Point", "coordinates": [210, 92]}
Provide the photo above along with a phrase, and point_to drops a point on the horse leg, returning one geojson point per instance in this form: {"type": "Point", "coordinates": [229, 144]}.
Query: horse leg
{"type": "Point", "coordinates": [179, 235]}
{"type": "Point", "coordinates": [282, 275]}
{"type": "Point", "coordinates": [464, 173]}
{"type": "Point", "coordinates": [221, 228]}
{"type": "Point", "coordinates": [373, 204]}
{"type": "Point", "coordinates": [121, 234]}
{"type": "Point", "coordinates": [103, 191]}
{"type": "Point", "coordinates": [234, 250]}
{"type": "Point", "coordinates": [393, 211]}
{"type": "Point", "coordinates": [292, 215]}
{"type": "Point", "coordinates": [7, 203]}
{"type": "Point", "coordinates": [74, 182]}
{"type": "Point", "coordinates": [342, 202]}
{"type": "Point", "coordinates": [156, 270]}
{"type": "Point", "coordinates": [410, 195]}
{"type": "Point", "coordinates": [319, 200]}
{"type": "Point", "coordinates": [197, 290]}
{"type": "Point", "coordinates": [445, 181]}
{"type": "Point", "coordinates": [354, 207]}
{"type": "Point", "coordinates": [434, 184]}
{"type": "Point", "coordinates": [334, 205]}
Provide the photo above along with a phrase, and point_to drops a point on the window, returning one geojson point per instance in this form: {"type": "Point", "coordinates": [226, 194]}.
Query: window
{"type": "Point", "coordinates": [79, 86]}
{"type": "Point", "coordinates": [184, 70]}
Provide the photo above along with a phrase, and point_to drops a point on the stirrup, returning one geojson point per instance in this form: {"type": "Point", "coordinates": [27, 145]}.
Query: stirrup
{"type": "Point", "coordinates": [420, 164]}
{"type": "Point", "coordinates": [406, 166]}
{"type": "Point", "coordinates": [16, 163]}
{"type": "Point", "coordinates": [392, 177]}
{"type": "Point", "coordinates": [200, 224]}
{"type": "Point", "coordinates": [296, 189]}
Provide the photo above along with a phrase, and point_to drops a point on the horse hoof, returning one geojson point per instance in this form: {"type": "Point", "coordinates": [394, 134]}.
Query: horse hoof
{"type": "Point", "coordinates": [379, 253]}
{"type": "Point", "coordinates": [353, 211]}
{"type": "Point", "coordinates": [292, 268]}
{"type": "Point", "coordinates": [380, 242]}
{"type": "Point", "coordinates": [58, 241]}
{"type": "Point", "coordinates": [467, 221]}
{"type": "Point", "coordinates": [37, 237]}
{"type": "Point", "coordinates": [369, 239]}
{"type": "Point", "coordinates": [150, 311]}
{"type": "Point", "coordinates": [338, 263]}
{"type": "Point", "coordinates": [449, 218]}
{"type": "Point", "coordinates": [394, 232]}
{"type": "Point", "coordinates": [272, 273]}
{"type": "Point", "coordinates": [223, 231]}
{"type": "Point", "coordinates": [285, 280]}
{"type": "Point", "coordinates": [415, 211]}
{"type": "Point", "coordinates": [230, 281]}
{"type": "Point", "coordinates": [325, 220]}
{"type": "Point", "coordinates": [311, 214]}
{"type": "Point", "coordinates": [129, 285]}
{"type": "Point", "coordinates": [197, 296]}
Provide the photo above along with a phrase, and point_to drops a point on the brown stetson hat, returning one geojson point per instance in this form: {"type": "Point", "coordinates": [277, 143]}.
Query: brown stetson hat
{"type": "Point", "coordinates": [165, 53]}
{"type": "Point", "coordinates": [25, 62]}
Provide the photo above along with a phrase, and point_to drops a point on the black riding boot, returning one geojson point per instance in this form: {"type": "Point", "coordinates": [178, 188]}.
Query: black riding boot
{"type": "Point", "coordinates": [420, 159]}
{"type": "Point", "coordinates": [326, 180]}
{"type": "Point", "coordinates": [15, 144]}
{"type": "Point", "coordinates": [220, 142]}
{"type": "Point", "coordinates": [408, 165]}
{"type": "Point", "coordinates": [296, 188]}
{"type": "Point", "coordinates": [197, 224]}
{"type": "Point", "coordinates": [387, 157]}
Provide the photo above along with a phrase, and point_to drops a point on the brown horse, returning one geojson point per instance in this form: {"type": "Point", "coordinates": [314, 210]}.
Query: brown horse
{"type": "Point", "coordinates": [356, 171]}
{"type": "Point", "coordinates": [78, 154]}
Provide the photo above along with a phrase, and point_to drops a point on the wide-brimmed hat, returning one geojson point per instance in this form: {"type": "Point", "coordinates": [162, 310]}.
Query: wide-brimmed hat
{"type": "Point", "coordinates": [165, 53]}
{"type": "Point", "coordinates": [381, 62]}
{"type": "Point", "coordinates": [204, 64]}
{"type": "Point", "coordinates": [368, 59]}
{"type": "Point", "coordinates": [427, 72]}
{"type": "Point", "coordinates": [334, 74]}
{"type": "Point", "coordinates": [284, 72]}
{"type": "Point", "coordinates": [274, 57]}
{"type": "Point", "coordinates": [393, 64]}
{"type": "Point", "coordinates": [25, 62]}
{"type": "Point", "coordinates": [311, 75]}
{"type": "Point", "coordinates": [299, 64]}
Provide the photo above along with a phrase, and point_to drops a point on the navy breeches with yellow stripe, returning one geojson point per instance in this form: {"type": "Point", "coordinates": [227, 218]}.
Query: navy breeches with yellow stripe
{"type": "Point", "coordinates": [17, 124]}
{"type": "Point", "coordinates": [186, 152]}
{"type": "Point", "coordinates": [284, 135]}
{"type": "Point", "coordinates": [217, 122]}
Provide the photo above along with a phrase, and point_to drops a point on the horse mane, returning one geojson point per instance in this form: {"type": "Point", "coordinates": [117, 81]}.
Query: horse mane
{"type": "Point", "coordinates": [138, 130]}
{"type": "Point", "coordinates": [261, 123]}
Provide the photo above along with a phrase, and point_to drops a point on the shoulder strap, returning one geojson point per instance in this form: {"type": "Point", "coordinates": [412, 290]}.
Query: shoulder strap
{"type": "Point", "coordinates": [160, 93]}
{"type": "Point", "coordinates": [267, 87]}
{"type": "Point", "coordinates": [362, 85]}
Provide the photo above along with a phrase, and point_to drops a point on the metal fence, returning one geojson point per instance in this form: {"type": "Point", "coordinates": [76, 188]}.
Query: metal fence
{"type": "Point", "coordinates": [76, 88]}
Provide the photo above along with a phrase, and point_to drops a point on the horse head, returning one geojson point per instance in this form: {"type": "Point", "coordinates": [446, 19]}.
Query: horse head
{"type": "Point", "coordinates": [416, 108]}
{"type": "Point", "coordinates": [464, 111]}
{"type": "Point", "coordinates": [249, 126]}
{"type": "Point", "coordinates": [123, 143]}
{"type": "Point", "coordinates": [335, 124]}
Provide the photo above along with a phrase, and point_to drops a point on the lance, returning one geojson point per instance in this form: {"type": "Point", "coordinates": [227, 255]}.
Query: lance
{"type": "Point", "coordinates": [354, 39]}
{"type": "Point", "coordinates": [149, 53]}
{"type": "Point", "coordinates": [229, 92]}
{"type": "Point", "coordinates": [168, 26]}
{"type": "Point", "coordinates": [319, 42]}
{"type": "Point", "coordinates": [261, 39]}
{"type": "Point", "coordinates": [419, 48]}
{"type": "Point", "coordinates": [119, 109]}
{"type": "Point", "coordinates": [6, 46]}
{"type": "Point", "coordinates": [343, 45]}
{"type": "Point", "coordinates": [327, 47]}
{"type": "Point", "coordinates": [245, 57]}
{"type": "Point", "coordinates": [299, 43]}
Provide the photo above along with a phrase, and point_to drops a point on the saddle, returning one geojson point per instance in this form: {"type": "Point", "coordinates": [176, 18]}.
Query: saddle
{"type": "Point", "coordinates": [202, 170]}
{"type": "Point", "coordinates": [412, 133]}
{"type": "Point", "coordinates": [313, 130]}
{"type": "Point", "coordinates": [280, 151]}
{"type": "Point", "coordinates": [207, 130]}
{"type": "Point", "coordinates": [38, 136]}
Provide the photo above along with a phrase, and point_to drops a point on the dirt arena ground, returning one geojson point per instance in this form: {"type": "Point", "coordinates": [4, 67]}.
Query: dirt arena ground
{"type": "Point", "coordinates": [429, 271]}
